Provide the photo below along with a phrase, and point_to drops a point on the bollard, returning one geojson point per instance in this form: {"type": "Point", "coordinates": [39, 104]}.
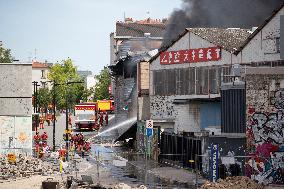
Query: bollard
{"type": "Point", "coordinates": [69, 181]}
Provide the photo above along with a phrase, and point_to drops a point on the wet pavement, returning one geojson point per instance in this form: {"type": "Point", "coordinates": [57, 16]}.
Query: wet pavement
{"type": "Point", "coordinates": [134, 172]}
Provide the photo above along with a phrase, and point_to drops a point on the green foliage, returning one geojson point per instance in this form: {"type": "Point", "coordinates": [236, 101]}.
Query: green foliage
{"type": "Point", "coordinates": [44, 97]}
{"type": "Point", "coordinates": [5, 55]}
{"type": "Point", "coordinates": [62, 73]}
{"type": "Point", "coordinates": [103, 82]}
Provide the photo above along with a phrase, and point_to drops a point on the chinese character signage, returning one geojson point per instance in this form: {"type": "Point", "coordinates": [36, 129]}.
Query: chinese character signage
{"type": "Point", "coordinates": [190, 56]}
{"type": "Point", "coordinates": [214, 163]}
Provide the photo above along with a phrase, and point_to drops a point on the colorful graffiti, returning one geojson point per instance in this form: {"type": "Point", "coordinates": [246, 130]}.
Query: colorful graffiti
{"type": "Point", "coordinates": [141, 137]}
{"type": "Point", "coordinates": [15, 134]}
{"type": "Point", "coordinates": [265, 141]}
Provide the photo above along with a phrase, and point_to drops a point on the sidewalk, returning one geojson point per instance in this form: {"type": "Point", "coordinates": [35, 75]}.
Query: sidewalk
{"type": "Point", "coordinates": [168, 175]}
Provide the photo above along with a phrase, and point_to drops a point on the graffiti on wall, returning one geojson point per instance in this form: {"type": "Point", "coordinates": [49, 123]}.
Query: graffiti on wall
{"type": "Point", "coordinates": [231, 156]}
{"type": "Point", "coordinates": [162, 107]}
{"type": "Point", "coordinates": [265, 141]}
{"type": "Point", "coordinates": [141, 137]}
{"type": "Point", "coordinates": [15, 134]}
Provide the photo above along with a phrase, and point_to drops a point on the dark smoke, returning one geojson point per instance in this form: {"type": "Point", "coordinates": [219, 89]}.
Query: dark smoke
{"type": "Point", "coordinates": [219, 13]}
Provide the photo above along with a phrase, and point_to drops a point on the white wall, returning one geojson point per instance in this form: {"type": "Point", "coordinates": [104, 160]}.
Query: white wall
{"type": "Point", "coordinates": [186, 116]}
{"type": "Point", "coordinates": [263, 46]}
{"type": "Point", "coordinates": [37, 76]}
{"type": "Point", "coordinates": [91, 81]}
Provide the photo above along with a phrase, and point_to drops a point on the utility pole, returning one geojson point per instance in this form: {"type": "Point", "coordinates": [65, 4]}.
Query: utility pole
{"type": "Point", "coordinates": [35, 101]}
{"type": "Point", "coordinates": [53, 131]}
{"type": "Point", "coordinates": [66, 115]}
{"type": "Point", "coordinates": [66, 126]}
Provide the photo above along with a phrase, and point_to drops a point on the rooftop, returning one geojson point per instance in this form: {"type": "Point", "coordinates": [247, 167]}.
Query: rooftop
{"type": "Point", "coordinates": [229, 39]}
{"type": "Point", "coordinates": [155, 27]}
{"type": "Point", "coordinates": [40, 65]}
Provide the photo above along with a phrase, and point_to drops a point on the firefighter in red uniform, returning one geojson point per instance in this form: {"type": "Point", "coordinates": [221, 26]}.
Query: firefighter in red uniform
{"type": "Point", "coordinates": [88, 146]}
{"type": "Point", "coordinates": [37, 138]}
{"type": "Point", "coordinates": [101, 119]}
{"type": "Point", "coordinates": [44, 137]}
{"type": "Point", "coordinates": [41, 121]}
{"type": "Point", "coordinates": [106, 118]}
{"type": "Point", "coordinates": [69, 120]}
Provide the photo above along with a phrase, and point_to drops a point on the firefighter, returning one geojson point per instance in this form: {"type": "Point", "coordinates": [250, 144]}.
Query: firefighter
{"type": "Point", "coordinates": [37, 138]}
{"type": "Point", "coordinates": [106, 118]}
{"type": "Point", "coordinates": [88, 146]}
{"type": "Point", "coordinates": [62, 154]}
{"type": "Point", "coordinates": [41, 121]}
{"type": "Point", "coordinates": [69, 120]}
{"type": "Point", "coordinates": [44, 137]}
{"type": "Point", "coordinates": [101, 118]}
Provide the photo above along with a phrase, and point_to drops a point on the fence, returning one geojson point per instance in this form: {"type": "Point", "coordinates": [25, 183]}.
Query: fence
{"type": "Point", "coordinates": [183, 151]}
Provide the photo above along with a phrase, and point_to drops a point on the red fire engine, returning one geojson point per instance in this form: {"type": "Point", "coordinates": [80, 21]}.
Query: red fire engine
{"type": "Point", "coordinates": [92, 115]}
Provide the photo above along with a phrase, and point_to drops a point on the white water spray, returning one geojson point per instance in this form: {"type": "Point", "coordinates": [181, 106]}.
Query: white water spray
{"type": "Point", "coordinates": [122, 124]}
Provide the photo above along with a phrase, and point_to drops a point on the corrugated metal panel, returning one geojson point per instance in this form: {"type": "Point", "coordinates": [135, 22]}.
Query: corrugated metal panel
{"type": "Point", "coordinates": [213, 80]}
{"type": "Point", "coordinates": [202, 80]}
{"type": "Point", "coordinates": [159, 82]}
{"type": "Point", "coordinates": [178, 81]}
{"type": "Point", "coordinates": [233, 111]}
{"type": "Point", "coordinates": [170, 83]}
{"type": "Point", "coordinates": [198, 80]}
{"type": "Point", "coordinates": [192, 80]}
{"type": "Point", "coordinates": [210, 114]}
{"type": "Point", "coordinates": [226, 74]}
{"type": "Point", "coordinates": [186, 81]}
{"type": "Point", "coordinates": [205, 80]}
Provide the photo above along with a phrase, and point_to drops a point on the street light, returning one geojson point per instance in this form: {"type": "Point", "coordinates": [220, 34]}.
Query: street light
{"type": "Point", "coordinates": [54, 113]}
{"type": "Point", "coordinates": [35, 101]}
{"type": "Point", "coordinates": [66, 113]}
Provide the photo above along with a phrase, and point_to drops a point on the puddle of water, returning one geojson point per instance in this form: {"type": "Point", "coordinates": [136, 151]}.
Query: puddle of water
{"type": "Point", "coordinates": [129, 174]}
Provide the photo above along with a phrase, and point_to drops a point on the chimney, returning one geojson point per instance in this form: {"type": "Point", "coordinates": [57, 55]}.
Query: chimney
{"type": "Point", "coordinates": [128, 20]}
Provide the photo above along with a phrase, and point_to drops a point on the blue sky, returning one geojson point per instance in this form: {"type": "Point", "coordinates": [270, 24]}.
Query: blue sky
{"type": "Point", "coordinates": [78, 29]}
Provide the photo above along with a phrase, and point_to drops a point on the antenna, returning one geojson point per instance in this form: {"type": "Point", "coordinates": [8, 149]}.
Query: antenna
{"type": "Point", "coordinates": [148, 14]}
{"type": "Point", "coordinates": [124, 16]}
{"type": "Point", "coordinates": [35, 54]}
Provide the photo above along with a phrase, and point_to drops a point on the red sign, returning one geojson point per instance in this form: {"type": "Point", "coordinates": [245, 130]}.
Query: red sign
{"type": "Point", "coordinates": [191, 55]}
{"type": "Point", "coordinates": [85, 107]}
{"type": "Point", "coordinates": [109, 89]}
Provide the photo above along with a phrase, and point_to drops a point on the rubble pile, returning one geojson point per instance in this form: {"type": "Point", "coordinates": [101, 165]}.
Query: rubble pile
{"type": "Point", "coordinates": [24, 167]}
{"type": "Point", "coordinates": [125, 186]}
{"type": "Point", "coordinates": [239, 182]}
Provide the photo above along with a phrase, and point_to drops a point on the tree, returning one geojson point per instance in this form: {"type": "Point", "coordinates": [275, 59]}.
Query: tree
{"type": "Point", "coordinates": [101, 87]}
{"type": "Point", "coordinates": [62, 73]}
{"type": "Point", "coordinates": [44, 97]}
{"type": "Point", "coordinates": [5, 55]}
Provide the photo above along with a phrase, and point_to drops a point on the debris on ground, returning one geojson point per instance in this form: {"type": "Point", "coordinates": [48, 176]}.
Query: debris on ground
{"type": "Point", "coordinates": [238, 182]}
{"type": "Point", "coordinates": [25, 167]}
{"type": "Point", "coordinates": [125, 186]}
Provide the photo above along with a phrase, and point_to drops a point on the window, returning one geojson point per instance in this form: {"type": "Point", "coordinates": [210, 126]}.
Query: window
{"type": "Point", "coordinates": [42, 74]}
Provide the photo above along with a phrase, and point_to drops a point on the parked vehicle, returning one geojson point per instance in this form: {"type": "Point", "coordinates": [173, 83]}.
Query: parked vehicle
{"type": "Point", "coordinates": [86, 117]}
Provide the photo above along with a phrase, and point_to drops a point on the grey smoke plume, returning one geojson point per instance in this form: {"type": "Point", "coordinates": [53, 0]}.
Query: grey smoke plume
{"type": "Point", "coordinates": [219, 13]}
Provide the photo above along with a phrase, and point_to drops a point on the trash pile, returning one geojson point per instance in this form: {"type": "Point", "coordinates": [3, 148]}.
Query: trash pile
{"type": "Point", "coordinates": [24, 167]}
{"type": "Point", "coordinates": [238, 182]}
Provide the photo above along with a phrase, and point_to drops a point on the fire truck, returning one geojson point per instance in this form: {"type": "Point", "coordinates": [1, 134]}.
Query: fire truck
{"type": "Point", "coordinates": [91, 116]}
{"type": "Point", "coordinates": [86, 117]}
{"type": "Point", "coordinates": [106, 105]}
